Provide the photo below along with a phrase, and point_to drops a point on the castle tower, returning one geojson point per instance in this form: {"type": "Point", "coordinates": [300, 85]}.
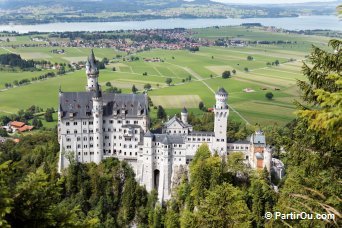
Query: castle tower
{"type": "Point", "coordinates": [184, 116]}
{"type": "Point", "coordinates": [98, 122]}
{"type": "Point", "coordinates": [221, 112]}
{"type": "Point", "coordinates": [147, 174]}
{"type": "Point", "coordinates": [92, 73]}
{"type": "Point", "coordinates": [268, 158]}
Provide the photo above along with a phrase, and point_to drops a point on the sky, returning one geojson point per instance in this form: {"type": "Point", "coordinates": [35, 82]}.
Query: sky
{"type": "Point", "coordinates": [270, 1]}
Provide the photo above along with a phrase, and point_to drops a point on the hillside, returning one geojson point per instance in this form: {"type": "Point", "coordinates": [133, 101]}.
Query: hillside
{"type": "Point", "coordinates": [49, 11]}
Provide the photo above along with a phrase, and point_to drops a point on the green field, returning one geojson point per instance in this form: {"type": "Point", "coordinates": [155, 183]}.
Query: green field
{"type": "Point", "coordinates": [205, 68]}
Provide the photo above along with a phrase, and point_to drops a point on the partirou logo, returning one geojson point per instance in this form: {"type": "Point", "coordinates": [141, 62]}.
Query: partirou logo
{"type": "Point", "coordinates": [299, 216]}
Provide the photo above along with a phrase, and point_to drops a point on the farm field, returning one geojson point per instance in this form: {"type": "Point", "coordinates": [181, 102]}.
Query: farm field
{"type": "Point", "coordinates": [204, 68]}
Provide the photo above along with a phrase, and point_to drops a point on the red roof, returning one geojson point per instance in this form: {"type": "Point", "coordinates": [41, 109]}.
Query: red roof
{"type": "Point", "coordinates": [25, 128]}
{"type": "Point", "coordinates": [17, 124]}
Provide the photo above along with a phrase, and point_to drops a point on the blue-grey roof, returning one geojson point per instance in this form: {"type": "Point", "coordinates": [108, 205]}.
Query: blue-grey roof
{"type": "Point", "coordinates": [222, 91]}
{"type": "Point", "coordinates": [259, 156]}
{"type": "Point", "coordinates": [240, 142]}
{"type": "Point", "coordinates": [149, 134]}
{"type": "Point", "coordinates": [201, 133]}
{"type": "Point", "coordinates": [258, 138]}
{"type": "Point", "coordinates": [175, 119]}
{"type": "Point", "coordinates": [169, 139]}
{"type": "Point", "coordinates": [80, 104]}
{"type": "Point", "coordinates": [91, 63]}
{"type": "Point", "coordinates": [184, 110]}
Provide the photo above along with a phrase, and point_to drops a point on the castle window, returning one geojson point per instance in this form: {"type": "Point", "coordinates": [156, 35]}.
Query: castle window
{"type": "Point", "coordinates": [75, 123]}
{"type": "Point", "coordinates": [136, 153]}
{"type": "Point", "coordinates": [91, 131]}
{"type": "Point", "coordinates": [208, 139]}
{"type": "Point", "coordinates": [104, 121]}
{"type": "Point", "coordinates": [78, 146]}
{"type": "Point", "coordinates": [85, 146]}
{"type": "Point", "coordinates": [91, 145]}
{"type": "Point", "coordinates": [130, 153]}
{"type": "Point", "coordinates": [68, 132]}
{"type": "Point", "coordinates": [68, 139]}
{"type": "Point", "coordinates": [111, 121]}
{"type": "Point", "coordinates": [67, 123]}
{"type": "Point", "coordinates": [119, 121]}
{"type": "Point", "coordinates": [78, 138]}
{"type": "Point", "coordinates": [91, 153]}
{"type": "Point", "coordinates": [85, 138]}
{"type": "Point", "coordinates": [79, 153]}
{"type": "Point", "coordinates": [246, 147]}
{"type": "Point", "coordinates": [114, 137]}
{"type": "Point", "coordinates": [218, 140]}
{"type": "Point", "coordinates": [84, 130]}
{"type": "Point", "coordinates": [90, 122]}
{"type": "Point", "coordinates": [85, 153]}
{"type": "Point", "coordinates": [84, 123]}
{"type": "Point", "coordinates": [127, 121]}
{"type": "Point", "coordinates": [125, 153]}
{"type": "Point", "coordinates": [75, 131]}
{"type": "Point", "coordinates": [69, 147]}
{"type": "Point", "coordinates": [106, 137]}
{"type": "Point", "coordinates": [135, 122]}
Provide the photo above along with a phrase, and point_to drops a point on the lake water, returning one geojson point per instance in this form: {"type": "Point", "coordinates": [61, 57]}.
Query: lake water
{"type": "Point", "coordinates": [291, 23]}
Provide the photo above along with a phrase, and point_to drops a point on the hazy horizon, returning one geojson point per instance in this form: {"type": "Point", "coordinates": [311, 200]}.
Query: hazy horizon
{"type": "Point", "coordinates": [270, 2]}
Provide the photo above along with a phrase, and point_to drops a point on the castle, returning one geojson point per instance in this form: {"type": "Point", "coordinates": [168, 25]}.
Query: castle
{"type": "Point", "coordinates": [93, 126]}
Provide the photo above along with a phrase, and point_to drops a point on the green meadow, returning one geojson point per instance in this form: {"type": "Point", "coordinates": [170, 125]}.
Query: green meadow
{"type": "Point", "coordinates": [205, 68]}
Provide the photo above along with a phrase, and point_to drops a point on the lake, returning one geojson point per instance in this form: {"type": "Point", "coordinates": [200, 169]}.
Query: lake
{"type": "Point", "coordinates": [291, 23]}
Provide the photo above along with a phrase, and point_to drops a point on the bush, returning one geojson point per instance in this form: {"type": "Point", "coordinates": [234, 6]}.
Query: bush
{"type": "Point", "coordinates": [226, 74]}
{"type": "Point", "coordinates": [269, 95]}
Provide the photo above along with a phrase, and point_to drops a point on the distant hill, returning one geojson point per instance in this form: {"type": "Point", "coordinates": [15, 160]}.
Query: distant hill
{"type": "Point", "coordinates": [49, 11]}
{"type": "Point", "coordinates": [100, 5]}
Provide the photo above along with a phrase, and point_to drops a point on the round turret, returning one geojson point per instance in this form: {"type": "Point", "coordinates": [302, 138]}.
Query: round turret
{"type": "Point", "coordinates": [184, 115]}
{"type": "Point", "coordinates": [221, 97]}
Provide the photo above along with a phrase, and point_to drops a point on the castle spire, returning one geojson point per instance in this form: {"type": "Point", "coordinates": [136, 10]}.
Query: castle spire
{"type": "Point", "coordinates": [92, 72]}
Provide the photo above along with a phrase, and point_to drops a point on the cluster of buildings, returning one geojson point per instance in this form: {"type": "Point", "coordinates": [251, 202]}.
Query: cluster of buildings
{"type": "Point", "coordinates": [93, 126]}
{"type": "Point", "coordinates": [17, 127]}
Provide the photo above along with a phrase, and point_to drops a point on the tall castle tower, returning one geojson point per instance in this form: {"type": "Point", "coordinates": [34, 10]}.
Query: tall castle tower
{"type": "Point", "coordinates": [92, 73]}
{"type": "Point", "coordinates": [221, 117]}
{"type": "Point", "coordinates": [98, 124]}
